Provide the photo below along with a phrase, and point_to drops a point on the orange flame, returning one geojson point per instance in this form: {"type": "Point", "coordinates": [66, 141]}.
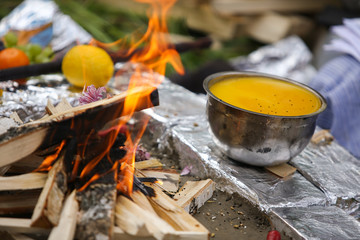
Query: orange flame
{"type": "Point", "coordinates": [155, 56]}
{"type": "Point", "coordinates": [155, 53]}
{"type": "Point", "coordinates": [48, 161]}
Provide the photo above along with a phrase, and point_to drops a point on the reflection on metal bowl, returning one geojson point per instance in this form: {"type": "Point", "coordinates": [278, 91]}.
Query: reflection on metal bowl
{"type": "Point", "coordinates": [255, 138]}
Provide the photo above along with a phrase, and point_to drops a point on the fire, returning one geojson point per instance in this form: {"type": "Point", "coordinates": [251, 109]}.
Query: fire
{"type": "Point", "coordinates": [155, 54]}
{"type": "Point", "coordinates": [84, 152]}
{"type": "Point", "coordinates": [49, 160]}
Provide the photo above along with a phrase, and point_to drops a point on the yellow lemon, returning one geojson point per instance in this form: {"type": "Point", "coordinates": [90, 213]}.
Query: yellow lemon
{"type": "Point", "coordinates": [86, 64]}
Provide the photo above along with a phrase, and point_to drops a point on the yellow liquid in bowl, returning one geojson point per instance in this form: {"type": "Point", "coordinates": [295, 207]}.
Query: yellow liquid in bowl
{"type": "Point", "coordinates": [267, 96]}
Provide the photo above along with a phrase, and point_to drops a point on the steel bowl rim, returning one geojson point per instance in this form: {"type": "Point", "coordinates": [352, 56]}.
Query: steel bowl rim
{"type": "Point", "coordinates": [228, 74]}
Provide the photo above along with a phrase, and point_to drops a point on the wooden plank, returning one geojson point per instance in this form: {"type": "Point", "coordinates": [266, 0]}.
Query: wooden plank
{"type": "Point", "coordinates": [151, 163]}
{"type": "Point", "coordinates": [14, 236]}
{"type": "Point", "coordinates": [136, 221]}
{"type": "Point", "coordinates": [119, 234]}
{"type": "Point", "coordinates": [322, 137]}
{"type": "Point", "coordinates": [141, 200]}
{"type": "Point", "coordinates": [50, 131]}
{"type": "Point", "coordinates": [18, 202]}
{"type": "Point", "coordinates": [26, 164]}
{"type": "Point", "coordinates": [175, 235]}
{"type": "Point", "coordinates": [170, 180]}
{"type": "Point", "coordinates": [176, 216]}
{"type": "Point", "coordinates": [194, 194]}
{"type": "Point", "coordinates": [23, 182]}
{"type": "Point", "coordinates": [48, 208]}
{"type": "Point", "coordinates": [20, 225]}
{"type": "Point", "coordinates": [282, 170]}
{"type": "Point", "coordinates": [96, 211]}
{"type": "Point", "coordinates": [20, 147]}
{"type": "Point", "coordinates": [65, 230]}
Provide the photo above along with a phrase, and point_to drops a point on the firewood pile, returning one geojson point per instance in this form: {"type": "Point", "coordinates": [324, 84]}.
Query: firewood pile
{"type": "Point", "coordinates": [264, 20]}
{"type": "Point", "coordinates": [47, 194]}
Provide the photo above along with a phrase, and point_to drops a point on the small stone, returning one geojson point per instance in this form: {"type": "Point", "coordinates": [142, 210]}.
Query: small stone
{"type": "Point", "coordinates": [212, 235]}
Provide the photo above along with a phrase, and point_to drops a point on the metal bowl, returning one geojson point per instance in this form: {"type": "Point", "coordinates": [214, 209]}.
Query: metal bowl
{"type": "Point", "coordinates": [255, 138]}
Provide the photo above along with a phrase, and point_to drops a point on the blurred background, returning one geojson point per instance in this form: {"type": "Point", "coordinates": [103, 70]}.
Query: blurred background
{"type": "Point", "coordinates": [236, 27]}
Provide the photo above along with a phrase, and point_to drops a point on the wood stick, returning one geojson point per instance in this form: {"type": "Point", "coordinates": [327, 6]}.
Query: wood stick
{"type": "Point", "coordinates": [23, 182]}
{"type": "Point", "coordinates": [26, 164]}
{"type": "Point", "coordinates": [48, 208]}
{"type": "Point", "coordinates": [134, 220]}
{"type": "Point", "coordinates": [194, 194]}
{"type": "Point", "coordinates": [14, 236]}
{"type": "Point", "coordinates": [119, 234]}
{"type": "Point", "coordinates": [176, 216]}
{"type": "Point", "coordinates": [322, 137]}
{"type": "Point", "coordinates": [20, 225]}
{"type": "Point", "coordinates": [42, 134]}
{"type": "Point", "coordinates": [4, 170]}
{"type": "Point", "coordinates": [141, 200]}
{"type": "Point", "coordinates": [175, 235]}
{"type": "Point", "coordinates": [21, 146]}
{"type": "Point", "coordinates": [65, 230]}
{"type": "Point", "coordinates": [282, 170]}
{"type": "Point", "coordinates": [18, 202]}
{"type": "Point", "coordinates": [151, 163]}
{"type": "Point", "coordinates": [96, 214]}
{"type": "Point", "coordinates": [170, 181]}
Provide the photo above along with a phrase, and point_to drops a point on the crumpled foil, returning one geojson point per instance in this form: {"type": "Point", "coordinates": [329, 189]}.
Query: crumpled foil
{"type": "Point", "coordinates": [316, 222]}
{"type": "Point", "coordinates": [33, 14]}
{"type": "Point", "coordinates": [327, 180]}
{"type": "Point", "coordinates": [29, 100]}
{"type": "Point", "coordinates": [289, 58]}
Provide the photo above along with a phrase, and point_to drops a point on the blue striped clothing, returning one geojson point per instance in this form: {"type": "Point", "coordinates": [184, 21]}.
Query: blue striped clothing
{"type": "Point", "coordinates": [339, 82]}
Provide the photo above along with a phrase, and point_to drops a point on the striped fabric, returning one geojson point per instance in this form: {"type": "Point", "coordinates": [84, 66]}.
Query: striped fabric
{"type": "Point", "coordinates": [339, 82]}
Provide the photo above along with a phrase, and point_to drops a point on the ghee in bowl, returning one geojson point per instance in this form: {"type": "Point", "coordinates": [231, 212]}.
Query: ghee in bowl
{"type": "Point", "coordinates": [260, 119]}
{"type": "Point", "coordinates": [267, 96]}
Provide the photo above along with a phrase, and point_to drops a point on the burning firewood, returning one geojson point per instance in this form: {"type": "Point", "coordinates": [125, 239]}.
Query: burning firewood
{"type": "Point", "coordinates": [48, 208]}
{"type": "Point", "coordinates": [22, 141]}
{"type": "Point", "coordinates": [169, 179]}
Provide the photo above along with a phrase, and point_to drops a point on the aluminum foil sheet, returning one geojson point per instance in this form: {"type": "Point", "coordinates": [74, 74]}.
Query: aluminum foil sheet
{"type": "Point", "coordinates": [328, 165]}
{"type": "Point", "coordinates": [288, 58]}
{"type": "Point", "coordinates": [29, 100]}
{"type": "Point", "coordinates": [180, 124]}
{"type": "Point", "coordinates": [316, 223]}
{"type": "Point", "coordinates": [33, 14]}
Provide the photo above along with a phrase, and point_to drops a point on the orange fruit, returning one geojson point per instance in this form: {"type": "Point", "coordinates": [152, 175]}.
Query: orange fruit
{"type": "Point", "coordinates": [13, 57]}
